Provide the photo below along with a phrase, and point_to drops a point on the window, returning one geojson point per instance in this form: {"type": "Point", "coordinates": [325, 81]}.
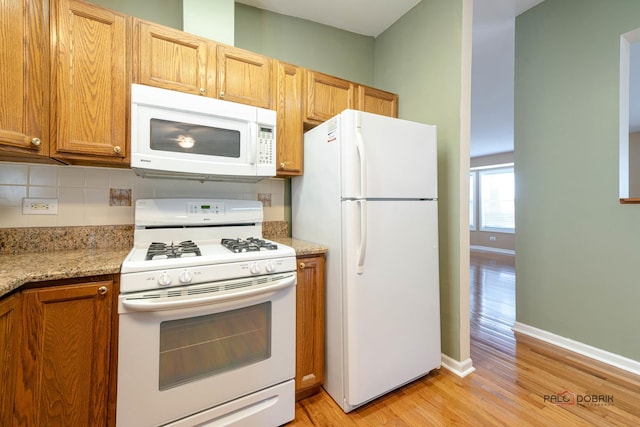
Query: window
{"type": "Point", "coordinates": [492, 199]}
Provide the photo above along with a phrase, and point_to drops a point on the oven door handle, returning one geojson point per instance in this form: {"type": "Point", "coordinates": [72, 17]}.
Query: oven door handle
{"type": "Point", "coordinates": [153, 304]}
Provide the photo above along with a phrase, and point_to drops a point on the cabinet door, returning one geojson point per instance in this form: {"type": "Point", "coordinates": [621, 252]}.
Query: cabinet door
{"type": "Point", "coordinates": [9, 329]}
{"type": "Point", "coordinates": [327, 96]}
{"type": "Point", "coordinates": [63, 376]}
{"type": "Point", "coordinates": [377, 101]}
{"type": "Point", "coordinates": [309, 326]}
{"type": "Point", "coordinates": [24, 66]}
{"type": "Point", "coordinates": [91, 84]}
{"type": "Point", "coordinates": [171, 59]}
{"type": "Point", "coordinates": [289, 110]}
{"type": "Point", "coordinates": [244, 77]}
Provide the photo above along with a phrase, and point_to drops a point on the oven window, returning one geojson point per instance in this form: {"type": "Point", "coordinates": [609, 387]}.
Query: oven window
{"type": "Point", "coordinates": [198, 347]}
{"type": "Point", "coordinates": [196, 139]}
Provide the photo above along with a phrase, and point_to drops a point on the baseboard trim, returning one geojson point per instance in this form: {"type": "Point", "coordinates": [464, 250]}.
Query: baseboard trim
{"type": "Point", "coordinates": [477, 248]}
{"type": "Point", "coordinates": [595, 353]}
{"type": "Point", "coordinates": [461, 369]}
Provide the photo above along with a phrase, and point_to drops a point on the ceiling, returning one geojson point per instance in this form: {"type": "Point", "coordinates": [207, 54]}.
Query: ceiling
{"type": "Point", "coordinates": [493, 44]}
{"type": "Point", "coordinates": [344, 14]}
{"type": "Point", "coordinates": [348, 14]}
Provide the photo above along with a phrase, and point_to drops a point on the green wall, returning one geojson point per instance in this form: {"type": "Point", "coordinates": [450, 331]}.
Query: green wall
{"type": "Point", "coordinates": [577, 248]}
{"type": "Point", "coordinates": [165, 12]}
{"type": "Point", "coordinates": [214, 20]}
{"type": "Point", "coordinates": [421, 58]}
{"type": "Point", "coordinates": [307, 44]}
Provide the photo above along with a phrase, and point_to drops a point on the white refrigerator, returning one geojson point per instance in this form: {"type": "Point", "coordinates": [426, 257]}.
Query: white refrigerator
{"type": "Point", "coordinates": [369, 193]}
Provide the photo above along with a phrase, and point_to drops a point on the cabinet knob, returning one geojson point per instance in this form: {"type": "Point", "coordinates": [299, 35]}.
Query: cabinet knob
{"type": "Point", "coordinates": [202, 91]}
{"type": "Point", "coordinates": [302, 265]}
{"type": "Point", "coordinates": [35, 141]}
{"type": "Point", "coordinates": [102, 290]}
{"type": "Point", "coordinates": [221, 94]}
{"type": "Point", "coordinates": [117, 149]}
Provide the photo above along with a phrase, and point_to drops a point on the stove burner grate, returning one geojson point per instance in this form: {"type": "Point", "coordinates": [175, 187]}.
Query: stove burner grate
{"type": "Point", "coordinates": [171, 250]}
{"type": "Point", "coordinates": [250, 244]}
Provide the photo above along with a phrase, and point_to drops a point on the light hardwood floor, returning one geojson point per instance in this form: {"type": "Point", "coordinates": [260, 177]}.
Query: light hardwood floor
{"type": "Point", "coordinates": [514, 379]}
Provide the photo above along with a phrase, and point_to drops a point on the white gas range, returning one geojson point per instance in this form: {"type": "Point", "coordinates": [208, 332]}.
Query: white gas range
{"type": "Point", "coordinates": [207, 317]}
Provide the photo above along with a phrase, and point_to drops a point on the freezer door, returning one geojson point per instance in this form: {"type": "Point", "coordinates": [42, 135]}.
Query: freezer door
{"type": "Point", "coordinates": [391, 296]}
{"type": "Point", "coordinates": [384, 157]}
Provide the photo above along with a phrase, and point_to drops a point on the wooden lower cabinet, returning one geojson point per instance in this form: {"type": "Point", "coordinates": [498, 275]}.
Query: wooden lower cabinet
{"type": "Point", "coordinates": [64, 374]}
{"type": "Point", "coordinates": [309, 325]}
{"type": "Point", "coordinates": [9, 327]}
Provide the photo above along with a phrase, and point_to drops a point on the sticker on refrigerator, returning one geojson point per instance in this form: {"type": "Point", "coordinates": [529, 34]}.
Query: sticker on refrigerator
{"type": "Point", "coordinates": [332, 128]}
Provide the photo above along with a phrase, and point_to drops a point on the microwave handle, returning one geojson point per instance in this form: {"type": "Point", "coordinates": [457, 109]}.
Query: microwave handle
{"type": "Point", "coordinates": [253, 144]}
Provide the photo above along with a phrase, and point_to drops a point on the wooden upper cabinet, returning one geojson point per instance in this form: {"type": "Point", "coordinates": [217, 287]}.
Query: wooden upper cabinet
{"type": "Point", "coordinates": [91, 84]}
{"type": "Point", "coordinates": [244, 77]}
{"type": "Point", "coordinates": [172, 59]}
{"type": "Point", "coordinates": [327, 96]}
{"type": "Point", "coordinates": [65, 357]}
{"type": "Point", "coordinates": [377, 101]}
{"type": "Point", "coordinates": [289, 145]}
{"type": "Point", "coordinates": [24, 70]}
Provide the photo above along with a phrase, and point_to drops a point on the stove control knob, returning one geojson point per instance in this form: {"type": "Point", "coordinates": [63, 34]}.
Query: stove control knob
{"type": "Point", "coordinates": [254, 269]}
{"type": "Point", "coordinates": [186, 277]}
{"type": "Point", "coordinates": [270, 267]}
{"type": "Point", "coordinates": [164, 279]}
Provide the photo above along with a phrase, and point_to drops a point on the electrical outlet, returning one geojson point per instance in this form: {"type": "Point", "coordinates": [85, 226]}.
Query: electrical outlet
{"type": "Point", "coordinates": [492, 238]}
{"type": "Point", "coordinates": [39, 206]}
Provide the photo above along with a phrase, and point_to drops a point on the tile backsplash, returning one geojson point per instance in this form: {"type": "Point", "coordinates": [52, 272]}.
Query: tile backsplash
{"type": "Point", "coordinates": [106, 196]}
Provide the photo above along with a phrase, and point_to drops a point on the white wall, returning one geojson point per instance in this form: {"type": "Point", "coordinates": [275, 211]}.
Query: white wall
{"type": "Point", "coordinates": [85, 194]}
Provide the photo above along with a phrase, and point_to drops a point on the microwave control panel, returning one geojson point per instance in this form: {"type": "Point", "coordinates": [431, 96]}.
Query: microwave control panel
{"type": "Point", "coordinates": [266, 145]}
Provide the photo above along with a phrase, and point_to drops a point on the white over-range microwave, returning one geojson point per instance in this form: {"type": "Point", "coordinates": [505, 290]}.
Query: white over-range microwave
{"type": "Point", "coordinates": [179, 135]}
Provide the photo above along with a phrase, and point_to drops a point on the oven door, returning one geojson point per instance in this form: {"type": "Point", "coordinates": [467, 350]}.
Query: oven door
{"type": "Point", "coordinates": [189, 349]}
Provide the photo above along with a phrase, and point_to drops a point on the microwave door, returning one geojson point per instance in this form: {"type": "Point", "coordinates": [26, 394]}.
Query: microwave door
{"type": "Point", "coordinates": [181, 135]}
{"type": "Point", "coordinates": [189, 143]}
{"type": "Point", "coordinates": [178, 137]}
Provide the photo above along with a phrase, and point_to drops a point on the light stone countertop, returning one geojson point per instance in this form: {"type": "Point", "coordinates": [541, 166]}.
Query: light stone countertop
{"type": "Point", "coordinates": [302, 247]}
{"type": "Point", "coordinates": [19, 269]}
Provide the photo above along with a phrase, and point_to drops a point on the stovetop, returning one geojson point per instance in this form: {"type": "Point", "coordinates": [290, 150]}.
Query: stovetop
{"type": "Point", "coordinates": [161, 250]}
{"type": "Point", "coordinates": [188, 248]}
{"type": "Point", "coordinates": [187, 241]}
{"type": "Point", "coordinates": [168, 255]}
{"type": "Point", "coordinates": [251, 244]}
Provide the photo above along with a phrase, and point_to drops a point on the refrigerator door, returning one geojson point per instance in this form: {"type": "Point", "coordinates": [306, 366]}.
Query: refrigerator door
{"type": "Point", "coordinates": [384, 157]}
{"type": "Point", "coordinates": [391, 301]}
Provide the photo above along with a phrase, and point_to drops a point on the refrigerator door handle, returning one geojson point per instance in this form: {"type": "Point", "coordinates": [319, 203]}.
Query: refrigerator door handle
{"type": "Point", "coordinates": [362, 246]}
{"type": "Point", "coordinates": [362, 157]}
